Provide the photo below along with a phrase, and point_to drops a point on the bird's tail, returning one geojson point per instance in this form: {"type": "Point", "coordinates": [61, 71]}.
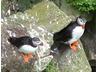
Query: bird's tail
{"type": "Point", "coordinates": [12, 40]}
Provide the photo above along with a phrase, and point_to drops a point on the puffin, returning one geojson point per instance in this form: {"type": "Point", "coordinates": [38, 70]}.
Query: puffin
{"type": "Point", "coordinates": [71, 33]}
{"type": "Point", "coordinates": [26, 45]}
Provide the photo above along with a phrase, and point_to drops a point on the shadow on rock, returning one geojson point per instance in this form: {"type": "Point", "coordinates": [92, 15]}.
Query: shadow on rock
{"type": "Point", "coordinates": [60, 49]}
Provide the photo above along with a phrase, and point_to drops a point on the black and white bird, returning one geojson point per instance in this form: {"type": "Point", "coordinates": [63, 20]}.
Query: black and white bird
{"type": "Point", "coordinates": [26, 45]}
{"type": "Point", "coordinates": [71, 33]}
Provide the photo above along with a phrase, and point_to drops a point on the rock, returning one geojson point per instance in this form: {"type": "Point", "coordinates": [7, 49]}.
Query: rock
{"type": "Point", "coordinates": [71, 10]}
{"type": "Point", "coordinates": [94, 23]}
{"type": "Point", "coordinates": [41, 64]}
{"type": "Point", "coordinates": [9, 7]}
{"type": "Point", "coordinates": [4, 7]}
{"type": "Point", "coordinates": [89, 43]}
{"type": "Point", "coordinates": [43, 20]}
{"type": "Point", "coordinates": [68, 60]}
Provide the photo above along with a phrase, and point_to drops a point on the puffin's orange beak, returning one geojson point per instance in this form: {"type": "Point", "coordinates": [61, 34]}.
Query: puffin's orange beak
{"type": "Point", "coordinates": [83, 26]}
{"type": "Point", "coordinates": [41, 44]}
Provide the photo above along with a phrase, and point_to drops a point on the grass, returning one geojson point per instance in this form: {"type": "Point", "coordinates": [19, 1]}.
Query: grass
{"type": "Point", "coordinates": [51, 68]}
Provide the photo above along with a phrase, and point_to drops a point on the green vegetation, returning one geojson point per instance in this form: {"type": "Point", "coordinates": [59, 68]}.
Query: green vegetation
{"type": "Point", "coordinates": [26, 4]}
{"type": "Point", "coordinates": [84, 5]}
{"type": "Point", "coordinates": [87, 6]}
{"type": "Point", "coordinates": [67, 71]}
{"type": "Point", "coordinates": [51, 68]}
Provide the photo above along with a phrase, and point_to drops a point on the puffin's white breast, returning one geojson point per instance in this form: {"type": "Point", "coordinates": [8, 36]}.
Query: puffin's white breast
{"type": "Point", "coordinates": [76, 34]}
{"type": "Point", "coordinates": [27, 49]}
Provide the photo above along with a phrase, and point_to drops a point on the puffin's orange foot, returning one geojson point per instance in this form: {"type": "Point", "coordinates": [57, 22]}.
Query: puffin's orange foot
{"type": "Point", "coordinates": [30, 55]}
{"type": "Point", "coordinates": [76, 43]}
{"type": "Point", "coordinates": [73, 47]}
{"type": "Point", "coordinates": [25, 58]}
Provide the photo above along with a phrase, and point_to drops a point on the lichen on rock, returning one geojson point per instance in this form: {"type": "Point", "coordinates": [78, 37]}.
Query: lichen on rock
{"type": "Point", "coordinates": [43, 20]}
{"type": "Point", "coordinates": [40, 22]}
{"type": "Point", "coordinates": [69, 60]}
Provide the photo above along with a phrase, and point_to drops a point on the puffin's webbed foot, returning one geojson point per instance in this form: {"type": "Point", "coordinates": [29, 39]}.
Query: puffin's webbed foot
{"type": "Point", "coordinates": [30, 55]}
{"type": "Point", "coordinates": [25, 57]}
{"type": "Point", "coordinates": [76, 43]}
{"type": "Point", "coordinates": [73, 47]}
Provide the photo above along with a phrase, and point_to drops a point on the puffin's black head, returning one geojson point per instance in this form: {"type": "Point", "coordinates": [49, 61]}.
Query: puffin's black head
{"type": "Point", "coordinates": [36, 41]}
{"type": "Point", "coordinates": [81, 20]}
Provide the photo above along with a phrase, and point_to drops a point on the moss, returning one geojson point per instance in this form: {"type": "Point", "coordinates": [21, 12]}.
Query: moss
{"type": "Point", "coordinates": [20, 6]}
{"type": "Point", "coordinates": [41, 15]}
{"type": "Point", "coordinates": [51, 67]}
{"type": "Point", "coordinates": [71, 10]}
{"type": "Point", "coordinates": [4, 7]}
{"type": "Point", "coordinates": [66, 71]}
{"type": "Point", "coordinates": [26, 4]}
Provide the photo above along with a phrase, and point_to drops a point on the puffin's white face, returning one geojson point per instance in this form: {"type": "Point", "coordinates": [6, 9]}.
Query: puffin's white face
{"type": "Point", "coordinates": [81, 21]}
{"type": "Point", "coordinates": [36, 43]}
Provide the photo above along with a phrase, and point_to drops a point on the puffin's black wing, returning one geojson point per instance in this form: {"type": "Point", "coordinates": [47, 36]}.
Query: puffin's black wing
{"type": "Point", "coordinates": [65, 34]}
{"type": "Point", "coordinates": [25, 40]}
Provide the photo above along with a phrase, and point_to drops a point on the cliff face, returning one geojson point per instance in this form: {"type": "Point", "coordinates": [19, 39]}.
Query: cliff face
{"type": "Point", "coordinates": [70, 61]}
{"type": "Point", "coordinates": [43, 20]}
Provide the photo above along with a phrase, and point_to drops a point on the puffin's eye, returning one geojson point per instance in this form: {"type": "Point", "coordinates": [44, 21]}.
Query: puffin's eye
{"type": "Point", "coordinates": [38, 42]}
{"type": "Point", "coordinates": [81, 20]}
